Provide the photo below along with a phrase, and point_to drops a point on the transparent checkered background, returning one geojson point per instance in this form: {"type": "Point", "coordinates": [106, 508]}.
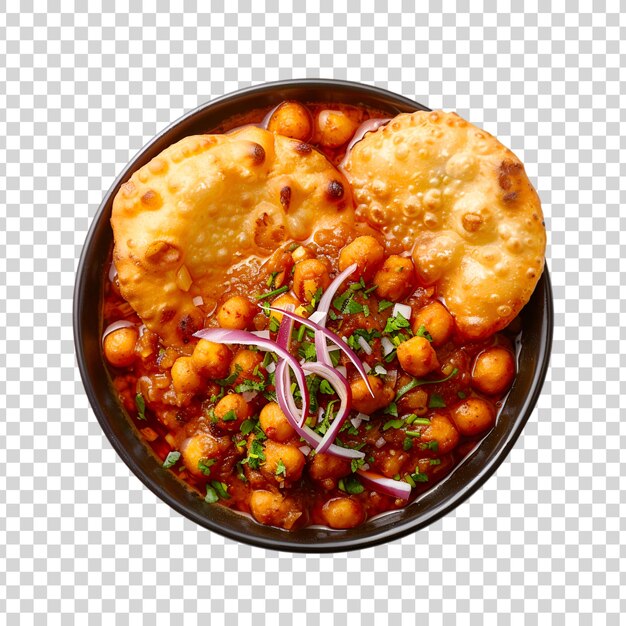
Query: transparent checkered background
{"type": "Point", "coordinates": [80, 93]}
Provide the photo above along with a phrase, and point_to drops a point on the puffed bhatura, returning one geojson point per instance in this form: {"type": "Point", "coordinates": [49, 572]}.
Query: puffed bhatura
{"type": "Point", "coordinates": [208, 202]}
{"type": "Point", "coordinates": [461, 201]}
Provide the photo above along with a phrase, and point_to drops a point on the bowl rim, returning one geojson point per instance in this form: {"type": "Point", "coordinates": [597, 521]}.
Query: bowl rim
{"type": "Point", "coordinates": [343, 542]}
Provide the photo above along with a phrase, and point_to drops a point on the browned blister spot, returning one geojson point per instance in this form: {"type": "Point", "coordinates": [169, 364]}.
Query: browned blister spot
{"type": "Point", "coordinates": [472, 222]}
{"type": "Point", "coordinates": [285, 197]}
{"type": "Point", "coordinates": [508, 169]}
{"type": "Point", "coordinates": [303, 148]}
{"type": "Point", "coordinates": [128, 188]}
{"type": "Point", "coordinates": [187, 327]}
{"type": "Point", "coordinates": [335, 190]}
{"type": "Point", "coordinates": [161, 252]}
{"type": "Point", "coordinates": [167, 315]}
{"type": "Point", "coordinates": [267, 234]}
{"type": "Point", "coordinates": [151, 199]}
{"type": "Point", "coordinates": [510, 197]}
{"type": "Point", "coordinates": [257, 153]}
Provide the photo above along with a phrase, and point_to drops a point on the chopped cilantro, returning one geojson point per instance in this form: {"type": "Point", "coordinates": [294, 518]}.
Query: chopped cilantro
{"type": "Point", "coordinates": [221, 489]}
{"type": "Point", "coordinates": [307, 351]}
{"type": "Point", "coordinates": [250, 385]}
{"type": "Point", "coordinates": [436, 402]}
{"type": "Point", "coordinates": [409, 480]}
{"type": "Point", "coordinates": [423, 421]}
{"type": "Point", "coordinates": [391, 409]}
{"type": "Point", "coordinates": [419, 478]}
{"type": "Point", "coordinates": [435, 461]}
{"type": "Point", "coordinates": [366, 310]}
{"type": "Point", "coordinates": [413, 433]}
{"type": "Point", "coordinates": [393, 424]}
{"type": "Point", "coordinates": [390, 357]}
{"type": "Point", "coordinates": [267, 359]}
{"type": "Point", "coordinates": [211, 495]}
{"type": "Point", "coordinates": [247, 427]}
{"type": "Point", "coordinates": [384, 304]}
{"type": "Point", "coordinates": [335, 355]}
{"type": "Point", "coordinates": [326, 387]}
{"type": "Point", "coordinates": [140, 403]}
{"type": "Point", "coordinates": [353, 307]}
{"type": "Point", "coordinates": [372, 288]}
{"type": "Point", "coordinates": [431, 445]}
{"type": "Point", "coordinates": [280, 468]}
{"type": "Point", "coordinates": [328, 415]}
{"type": "Point", "coordinates": [240, 473]}
{"type": "Point", "coordinates": [256, 454]}
{"type": "Point", "coordinates": [231, 378]}
{"type": "Point", "coordinates": [368, 335]}
{"type": "Point", "coordinates": [416, 382]}
{"type": "Point", "coordinates": [271, 294]}
{"type": "Point", "coordinates": [171, 459]}
{"type": "Point", "coordinates": [350, 484]}
{"type": "Point", "coordinates": [356, 464]}
{"type": "Point", "coordinates": [317, 296]}
{"type": "Point", "coordinates": [407, 444]}
{"type": "Point", "coordinates": [409, 419]}
{"type": "Point", "coordinates": [274, 325]}
{"type": "Point", "coordinates": [204, 465]}
{"type": "Point", "coordinates": [229, 416]}
{"type": "Point", "coordinates": [293, 246]}
{"type": "Point", "coordinates": [422, 332]}
{"type": "Point", "coordinates": [396, 323]}
{"type": "Point", "coordinates": [270, 279]}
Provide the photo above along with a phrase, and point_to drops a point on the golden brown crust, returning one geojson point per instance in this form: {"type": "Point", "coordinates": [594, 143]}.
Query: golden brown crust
{"type": "Point", "coordinates": [463, 203]}
{"type": "Point", "coordinates": [207, 203]}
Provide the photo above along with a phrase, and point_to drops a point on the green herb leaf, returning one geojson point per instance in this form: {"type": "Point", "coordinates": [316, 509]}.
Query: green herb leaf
{"type": "Point", "coordinates": [250, 385]}
{"type": "Point", "coordinates": [391, 409]}
{"type": "Point", "coordinates": [229, 416]}
{"type": "Point", "coordinates": [383, 305]}
{"type": "Point", "coordinates": [256, 455]}
{"type": "Point", "coordinates": [422, 332]}
{"type": "Point", "coordinates": [307, 351]}
{"type": "Point", "coordinates": [393, 424]}
{"type": "Point", "coordinates": [240, 473]}
{"type": "Point", "coordinates": [140, 403]}
{"type": "Point", "coordinates": [326, 387]}
{"type": "Point", "coordinates": [419, 382]}
{"type": "Point", "coordinates": [270, 279]}
{"type": "Point", "coordinates": [420, 478]}
{"type": "Point", "coordinates": [407, 444]}
{"type": "Point", "coordinates": [274, 325]}
{"type": "Point", "coordinates": [211, 495]}
{"type": "Point", "coordinates": [435, 461]}
{"type": "Point", "coordinates": [396, 323]}
{"type": "Point", "coordinates": [356, 464]}
{"type": "Point", "coordinates": [171, 459]}
{"type": "Point", "coordinates": [328, 415]}
{"type": "Point", "coordinates": [280, 468]}
{"type": "Point", "coordinates": [247, 426]}
{"type": "Point", "coordinates": [413, 433]}
{"type": "Point", "coordinates": [431, 445]}
{"type": "Point", "coordinates": [353, 307]}
{"type": "Point", "coordinates": [350, 484]}
{"type": "Point", "coordinates": [204, 465]}
{"type": "Point", "coordinates": [231, 378]}
{"type": "Point", "coordinates": [271, 294]}
{"type": "Point", "coordinates": [436, 402]}
{"type": "Point", "coordinates": [221, 489]}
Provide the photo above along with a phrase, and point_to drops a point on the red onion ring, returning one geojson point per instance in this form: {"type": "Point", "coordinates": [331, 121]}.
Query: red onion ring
{"type": "Point", "coordinates": [116, 326]}
{"type": "Point", "coordinates": [395, 488]}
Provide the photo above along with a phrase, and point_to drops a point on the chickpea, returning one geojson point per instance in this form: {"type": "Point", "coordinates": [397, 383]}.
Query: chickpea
{"type": "Point", "coordinates": [291, 119]}
{"type": "Point", "coordinates": [231, 410]}
{"type": "Point", "coordinates": [395, 278]}
{"type": "Point", "coordinates": [308, 277]}
{"type": "Point", "coordinates": [417, 356]}
{"type": "Point", "coordinates": [366, 252]}
{"type": "Point", "coordinates": [185, 377]}
{"type": "Point", "coordinates": [200, 446]}
{"type": "Point", "coordinates": [236, 313]}
{"type": "Point", "coordinates": [391, 464]}
{"type": "Point", "coordinates": [245, 363]}
{"type": "Point", "coordinates": [328, 469]}
{"type": "Point", "coordinates": [443, 431]}
{"type": "Point", "coordinates": [281, 302]}
{"type": "Point", "coordinates": [119, 346]}
{"type": "Point", "coordinates": [335, 128]}
{"type": "Point", "coordinates": [274, 423]}
{"type": "Point", "coordinates": [343, 513]}
{"type": "Point", "coordinates": [494, 371]}
{"type": "Point", "coordinates": [211, 360]}
{"type": "Point", "coordinates": [434, 317]}
{"type": "Point", "coordinates": [362, 399]}
{"type": "Point", "coordinates": [474, 416]}
{"type": "Point", "coordinates": [292, 460]}
{"type": "Point", "coordinates": [273, 509]}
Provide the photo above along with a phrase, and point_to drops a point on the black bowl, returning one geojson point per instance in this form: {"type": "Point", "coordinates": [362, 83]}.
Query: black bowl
{"type": "Point", "coordinates": [534, 355]}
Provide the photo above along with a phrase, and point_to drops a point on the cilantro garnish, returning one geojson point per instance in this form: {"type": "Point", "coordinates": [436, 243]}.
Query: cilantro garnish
{"type": "Point", "coordinates": [431, 445]}
{"type": "Point", "coordinates": [256, 455]}
{"type": "Point", "coordinates": [250, 385]}
{"type": "Point", "coordinates": [328, 416]}
{"type": "Point", "coordinates": [280, 468]}
{"type": "Point", "coordinates": [422, 332]}
{"type": "Point", "coordinates": [356, 464]}
{"type": "Point", "coordinates": [436, 402]}
{"type": "Point", "coordinates": [307, 351]}
{"type": "Point", "coordinates": [270, 279]}
{"type": "Point", "coordinates": [171, 459]}
{"type": "Point", "coordinates": [229, 416]}
{"type": "Point", "coordinates": [326, 387]}
{"type": "Point", "coordinates": [393, 424]}
{"type": "Point", "coordinates": [271, 294]}
{"type": "Point", "coordinates": [211, 495]}
{"type": "Point", "coordinates": [368, 335]}
{"type": "Point", "coordinates": [221, 489]}
{"type": "Point", "coordinates": [391, 409]}
{"type": "Point", "coordinates": [247, 427]}
{"type": "Point", "coordinates": [384, 304]}
{"type": "Point", "coordinates": [350, 484]}
{"type": "Point", "coordinates": [396, 323]}
{"type": "Point", "coordinates": [204, 465]}
{"type": "Point", "coordinates": [140, 403]}
{"type": "Point", "coordinates": [407, 444]}
{"type": "Point", "coordinates": [231, 378]}
{"type": "Point", "coordinates": [416, 382]}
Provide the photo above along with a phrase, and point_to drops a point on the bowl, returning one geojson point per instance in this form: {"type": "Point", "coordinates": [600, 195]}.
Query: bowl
{"type": "Point", "coordinates": [534, 352]}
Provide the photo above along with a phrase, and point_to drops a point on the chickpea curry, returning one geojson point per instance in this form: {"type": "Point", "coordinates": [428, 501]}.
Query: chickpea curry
{"type": "Point", "coordinates": [311, 312]}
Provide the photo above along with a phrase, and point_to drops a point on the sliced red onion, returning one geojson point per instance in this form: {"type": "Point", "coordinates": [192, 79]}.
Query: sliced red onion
{"type": "Point", "coordinates": [249, 395]}
{"type": "Point", "coordinates": [364, 345]}
{"type": "Point", "coordinates": [198, 301]}
{"type": "Point", "coordinates": [342, 369]}
{"type": "Point", "coordinates": [395, 488]}
{"type": "Point", "coordinates": [363, 416]}
{"type": "Point", "coordinates": [380, 370]}
{"type": "Point", "coordinates": [271, 367]}
{"type": "Point", "coordinates": [380, 442]}
{"type": "Point", "coordinates": [340, 384]}
{"type": "Point", "coordinates": [244, 338]}
{"type": "Point", "coordinates": [356, 421]}
{"type": "Point", "coordinates": [306, 450]}
{"type": "Point", "coordinates": [404, 309]}
{"type": "Point", "coordinates": [367, 367]}
{"type": "Point", "coordinates": [264, 334]}
{"type": "Point", "coordinates": [318, 317]}
{"type": "Point", "coordinates": [392, 377]}
{"type": "Point", "coordinates": [328, 334]}
{"type": "Point", "coordinates": [287, 406]}
{"type": "Point", "coordinates": [116, 326]}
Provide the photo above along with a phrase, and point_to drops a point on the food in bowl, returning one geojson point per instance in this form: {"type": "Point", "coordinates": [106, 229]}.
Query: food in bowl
{"type": "Point", "coordinates": [312, 312]}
